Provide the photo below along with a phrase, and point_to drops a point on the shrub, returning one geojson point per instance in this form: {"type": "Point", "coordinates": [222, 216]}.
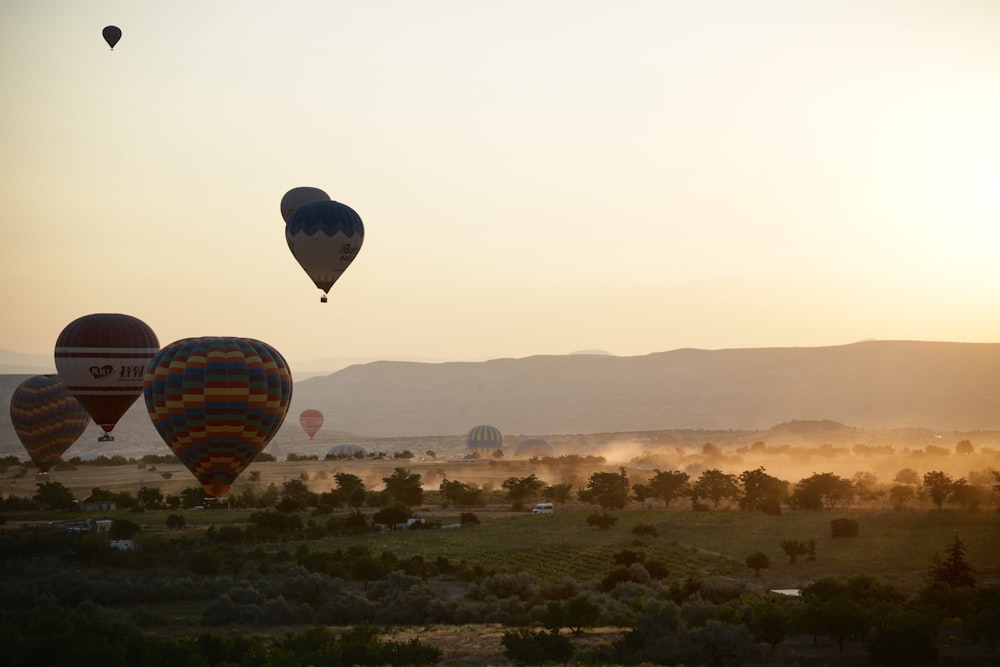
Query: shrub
{"type": "Point", "coordinates": [796, 548]}
{"type": "Point", "coordinates": [535, 648]}
{"type": "Point", "coordinates": [757, 562]}
{"type": "Point", "coordinates": [602, 521]}
{"type": "Point", "coordinates": [645, 530]}
{"type": "Point", "coordinates": [844, 528]}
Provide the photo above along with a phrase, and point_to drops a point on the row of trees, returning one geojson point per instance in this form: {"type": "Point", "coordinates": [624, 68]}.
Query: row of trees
{"type": "Point", "coordinates": [756, 490]}
{"type": "Point", "coordinates": [751, 490]}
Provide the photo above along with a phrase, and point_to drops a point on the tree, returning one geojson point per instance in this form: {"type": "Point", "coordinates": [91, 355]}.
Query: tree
{"type": "Point", "coordinates": [907, 476]}
{"type": "Point", "coordinates": [795, 548]}
{"type": "Point", "coordinates": [192, 496]}
{"type": "Point", "coordinates": [392, 515]}
{"type": "Point", "coordinates": [350, 489]}
{"type": "Point", "coordinates": [758, 561]}
{"type": "Point", "coordinates": [668, 485]}
{"type": "Point", "coordinates": [606, 489]}
{"type": "Point", "coordinates": [964, 495]}
{"type": "Point", "coordinates": [716, 485]}
{"type": "Point", "coordinates": [985, 621]}
{"type": "Point", "coordinates": [900, 495]}
{"type": "Point", "coordinates": [866, 486]}
{"type": "Point", "coordinates": [906, 638]}
{"type": "Point", "coordinates": [175, 522]}
{"type": "Point", "coordinates": [404, 487]}
{"type": "Point", "coordinates": [558, 493]}
{"type": "Point", "coordinates": [964, 447]}
{"type": "Point", "coordinates": [769, 620]}
{"type": "Point", "coordinates": [938, 485]}
{"type": "Point", "coordinates": [53, 495]}
{"type": "Point", "coordinates": [576, 614]}
{"type": "Point", "coordinates": [954, 570]}
{"type": "Point", "coordinates": [295, 495]}
{"type": "Point", "coordinates": [521, 490]}
{"type": "Point", "coordinates": [821, 490]}
{"type": "Point", "coordinates": [458, 493]}
{"type": "Point", "coordinates": [762, 491]}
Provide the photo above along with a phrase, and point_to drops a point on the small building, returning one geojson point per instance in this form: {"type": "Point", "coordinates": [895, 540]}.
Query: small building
{"type": "Point", "coordinates": [98, 506]}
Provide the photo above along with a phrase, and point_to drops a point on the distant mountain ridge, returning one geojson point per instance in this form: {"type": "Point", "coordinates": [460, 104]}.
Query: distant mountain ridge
{"type": "Point", "coordinates": [871, 384]}
{"type": "Point", "coordinates": [868, 385]}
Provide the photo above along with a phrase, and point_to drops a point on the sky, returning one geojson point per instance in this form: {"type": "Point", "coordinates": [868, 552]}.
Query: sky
{"type": "Point", "coordinates": [535, 177]}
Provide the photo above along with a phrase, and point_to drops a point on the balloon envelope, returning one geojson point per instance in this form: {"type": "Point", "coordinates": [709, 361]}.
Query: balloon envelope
{"type": "Point", "coordinates": [111, 35]}
{"type": "Point", "coordinates": [297, 197]}
{"type": "Point", "coordinates": [325, 237]}
{"type": "Point", "coordinates": [102, 358]}
{"type": "Point", "coordinates": [46, 418]}
{"type": "Point", "coordinates": [217, 402]}
{"type": "Point", "coordinates": [484, 438]}
{"type": "Point", "coordinates": [311, 421]}
{"type": "Point", "coordinates": [531, 447]}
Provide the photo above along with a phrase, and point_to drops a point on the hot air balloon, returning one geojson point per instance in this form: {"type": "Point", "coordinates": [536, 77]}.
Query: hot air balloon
{"type": "Point", "coordinates": [346, 451]}
{"type": "Point", "coordinates": [297, 197]}
{"type": "Point", "coordinates": [111, 35]}
{"type": "Point", "coordinates": [46, 418]}
{"type": "Point", "coordinates": [484, 438]}
{"type": "Point", "coordinates": [532, 447]}
{"type": "Point", "coordinates": [217, 402]}
{"type": "Point", "coordinates": [311, 421]}
{"type": "Point", "coordinates": [325, 237]}
{"type": "Point", "coordinates": [102, 359]}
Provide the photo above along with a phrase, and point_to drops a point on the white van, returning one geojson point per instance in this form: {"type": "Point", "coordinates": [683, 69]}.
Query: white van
{"type": "Point", "coordinates": [543, 508]}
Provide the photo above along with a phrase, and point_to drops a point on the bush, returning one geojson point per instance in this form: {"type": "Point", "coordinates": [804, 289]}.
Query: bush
{"type": "Point", "coordinates": [758, 561]}
{"type": "Point", "coordinates": [844, 528]}
{"type": "Point", "coordinates": [535, 648]}
{"type": "Point", "coordinates": [602, 521]}
{"type": "Point", "coordinates": [642, 530]}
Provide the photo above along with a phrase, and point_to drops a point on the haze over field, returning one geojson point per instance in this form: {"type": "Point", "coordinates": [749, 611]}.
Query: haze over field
{"type": "Point", "coordinates": [880, 393]}
{"type": "Point", "coordinates": [535, 178]}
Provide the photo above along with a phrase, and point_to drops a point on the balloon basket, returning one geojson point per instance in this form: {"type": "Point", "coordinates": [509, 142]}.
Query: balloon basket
{"type": "Point", "coordinates": [220, 503]}
{"type": "Point", "coordinates": [107, 437]}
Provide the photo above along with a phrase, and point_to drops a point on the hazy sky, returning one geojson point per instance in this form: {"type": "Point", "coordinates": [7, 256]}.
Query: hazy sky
{"type": "Point", "coordinates": [534, 177]}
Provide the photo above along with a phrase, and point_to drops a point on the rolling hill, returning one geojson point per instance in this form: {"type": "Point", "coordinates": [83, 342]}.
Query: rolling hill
{"type": "Point", "coordinates": [867, 385]}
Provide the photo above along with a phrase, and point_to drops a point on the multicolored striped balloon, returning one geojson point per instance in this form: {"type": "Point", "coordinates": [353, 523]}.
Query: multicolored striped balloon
{"type": "Point", "coordinates": [325, 237]}
{"type": "Point", "coordinates": [484, 438]}
{"type": "Point", "coordinates": [217, 402]}
{"type": "Point", "coordinates": [311, 421]}
{"type": "Point", "coordinates": [46, 418]}
{"type": "Point", "coordinates": [102, 358]}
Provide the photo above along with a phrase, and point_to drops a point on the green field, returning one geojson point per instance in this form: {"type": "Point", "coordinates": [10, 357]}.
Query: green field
{"type": "Point", "coordinates": [896, 546]}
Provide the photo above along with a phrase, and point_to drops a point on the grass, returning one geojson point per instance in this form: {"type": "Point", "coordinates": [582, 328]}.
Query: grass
{"type": "Point", "coordinates": [896, 546]}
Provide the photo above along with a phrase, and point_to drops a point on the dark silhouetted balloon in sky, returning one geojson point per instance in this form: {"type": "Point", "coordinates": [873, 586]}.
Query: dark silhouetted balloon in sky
{"type": "Point", "coordinates": [111, 35]}
{"type": "Point", "coordinates": [325, 237]}
{"type": "Point", "coordinates": [297, 197]}
{"type": "Point", "coordinates": [217, 402]}
{"type": "Point", "coordinates": [102, 359]}
{"type": "Point", "coordinates": [46, 418]}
